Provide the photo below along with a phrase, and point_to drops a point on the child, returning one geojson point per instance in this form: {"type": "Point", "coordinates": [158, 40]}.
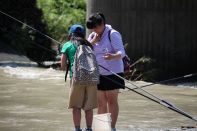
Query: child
{"type": "Point", "coordinates": [80, 96]}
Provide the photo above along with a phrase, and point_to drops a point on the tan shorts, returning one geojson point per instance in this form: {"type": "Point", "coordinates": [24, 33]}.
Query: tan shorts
{"type": "Point", "coordinates": [84, 97]}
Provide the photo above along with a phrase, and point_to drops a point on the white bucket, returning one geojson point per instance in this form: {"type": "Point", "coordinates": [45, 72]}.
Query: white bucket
{"type": "Point", "coordinates": [102, 122]}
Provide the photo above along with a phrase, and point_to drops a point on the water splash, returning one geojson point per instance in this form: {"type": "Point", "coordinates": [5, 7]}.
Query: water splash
{"type": "Point", "coordinates": [30, 71]}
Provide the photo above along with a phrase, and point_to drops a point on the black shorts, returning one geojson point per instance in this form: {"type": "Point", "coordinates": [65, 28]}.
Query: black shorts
{"type": "Point", "coordinates": [111, 82]}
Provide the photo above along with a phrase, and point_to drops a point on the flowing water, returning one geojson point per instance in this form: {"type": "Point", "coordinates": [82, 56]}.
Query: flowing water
{"type": "Point", "coordinates": [35, 99]}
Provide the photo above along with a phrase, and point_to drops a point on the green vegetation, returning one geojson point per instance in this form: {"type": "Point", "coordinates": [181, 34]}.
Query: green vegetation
{"type": "Point", "coordinates": [18, 36]}
{"type": "Point", "coordinates": [61, 14]}
{"type": "Point", "coordinates": [51, 17]}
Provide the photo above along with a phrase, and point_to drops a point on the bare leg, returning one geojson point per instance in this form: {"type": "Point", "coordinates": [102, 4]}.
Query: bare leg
{"type": "Point", "coordinates": [77, 117]}
{"type": "Point", "coordinates": [112, 98]}
{"type": "Point", "coordinates": [89, 118]}
{"type": "Point", "coordinates": [102, 102]}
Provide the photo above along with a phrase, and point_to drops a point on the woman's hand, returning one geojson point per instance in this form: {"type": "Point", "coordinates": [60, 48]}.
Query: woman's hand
{"type": "Point", "coordinates": [110, 56]}
{"type": "Point", "coordinates": [95, 38]}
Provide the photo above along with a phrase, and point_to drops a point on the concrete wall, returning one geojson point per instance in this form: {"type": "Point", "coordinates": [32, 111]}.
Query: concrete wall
{"type": "Point", "coordinates": [165, 30]}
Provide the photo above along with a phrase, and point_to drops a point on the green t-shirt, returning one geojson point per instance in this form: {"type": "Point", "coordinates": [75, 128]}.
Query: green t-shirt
{"type": "Point", "coordinates": [69, 49]}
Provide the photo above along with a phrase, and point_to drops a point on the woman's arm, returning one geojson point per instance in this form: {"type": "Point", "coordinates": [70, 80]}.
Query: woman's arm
{"type": "Point", "coordinates": [117, 44]}
{"type": "Point", "coordinates": [115, 56]}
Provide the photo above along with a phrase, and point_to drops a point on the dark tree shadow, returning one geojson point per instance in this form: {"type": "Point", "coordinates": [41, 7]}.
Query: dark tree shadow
{"type": "Point", "coordinates": [21, 38]}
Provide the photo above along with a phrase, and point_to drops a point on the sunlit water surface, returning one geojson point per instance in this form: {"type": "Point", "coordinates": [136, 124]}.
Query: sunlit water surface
{"type": "Point", "coordinates": [35, 99]}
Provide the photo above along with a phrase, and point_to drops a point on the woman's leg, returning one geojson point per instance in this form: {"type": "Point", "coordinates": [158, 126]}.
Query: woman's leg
{"type": "Point", "coordinates": [102, 102]}
{"type": "Point", "coordinates": [112, 99]}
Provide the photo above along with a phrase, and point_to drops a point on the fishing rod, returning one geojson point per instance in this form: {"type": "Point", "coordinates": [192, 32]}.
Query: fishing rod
{"type": "Point", "coordinates": [168, 80]}
{"type": "Point", "coordinates": [190, 75]}
{"type": "Point", "coordinates": [157, 99]}
{"type": "Point", "coordinates": [161, 102]}
{"type": "Point", "coordinates": [136, 87]}
{"type": "Point", "coordinates": [164, 103]}
{"type": "Point", "coordinates": [30, 27]}
{"type": "Point", "coordinates": [51, 51]}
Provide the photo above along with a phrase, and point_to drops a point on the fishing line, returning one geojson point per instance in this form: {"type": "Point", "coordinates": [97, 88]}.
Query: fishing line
{"type": "Point", "coordinates": [136, 87]}
{"type": "Point", "coordinates": [162, 102]}
{"type": "Point", "coordinates": [30, 27]}
{"type": "Point", "coordinates": [159, 100]}
{"type": "Point", "coordinates": [171, 79]}
{"type": "Point", "coordinates": [51, 51]}
{"type": "Point", "coordinates": [164, 81]}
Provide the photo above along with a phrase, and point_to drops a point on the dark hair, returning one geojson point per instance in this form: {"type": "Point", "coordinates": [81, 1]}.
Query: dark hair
{"type": "Point", "coordinates": [94, 20]}
{"type": "Point", "coordinates": [77, 34]}
{"type": "Point", "coordinates": [79, 39]}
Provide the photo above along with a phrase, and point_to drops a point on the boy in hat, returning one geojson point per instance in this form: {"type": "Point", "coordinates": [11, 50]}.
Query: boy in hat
{"type": "Point", "coordinates": [80, 97]}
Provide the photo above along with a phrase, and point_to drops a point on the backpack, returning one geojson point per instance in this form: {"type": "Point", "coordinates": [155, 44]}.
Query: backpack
{"type": "Point", "coordinates": [126, 60]}
{"type": "Point", "coordinates": [85, 67]}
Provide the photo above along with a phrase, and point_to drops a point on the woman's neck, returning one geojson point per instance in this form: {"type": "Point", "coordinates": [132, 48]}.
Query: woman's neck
{"type": "Point", "coordinates": [103, 30]}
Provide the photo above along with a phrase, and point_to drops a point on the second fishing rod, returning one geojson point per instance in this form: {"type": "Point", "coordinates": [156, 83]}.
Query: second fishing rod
{"type": "Point", "coordinates": [152, 98]}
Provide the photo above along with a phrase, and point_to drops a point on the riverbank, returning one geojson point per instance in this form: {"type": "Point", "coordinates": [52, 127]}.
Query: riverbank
{"type": "Point", "coordinates": [9, 56]}
{"type": "Point", "coordinates": [7, 53]}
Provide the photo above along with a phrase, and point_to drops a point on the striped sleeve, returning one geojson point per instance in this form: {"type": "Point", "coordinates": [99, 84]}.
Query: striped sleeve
{"type": "Point", "coordinates": [117, 43]}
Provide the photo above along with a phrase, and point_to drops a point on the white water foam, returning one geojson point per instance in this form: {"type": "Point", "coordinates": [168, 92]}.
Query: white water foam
{"type": "Point", "coordinates": [31, 72]}
{"type": "Point", "coordinates": [186, 85]}
{"type": "Point", "coordinates": [192, 85]}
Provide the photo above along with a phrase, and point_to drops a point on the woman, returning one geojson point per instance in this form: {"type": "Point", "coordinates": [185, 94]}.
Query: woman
{"type": "Point", "coordinates": [80, 96]}
{"type": "Point", "coordinates": [109, 51]}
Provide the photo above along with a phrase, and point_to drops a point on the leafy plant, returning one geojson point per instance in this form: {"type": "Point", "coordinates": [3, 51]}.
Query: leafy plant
{"type": "Point", "coordinates": [61, 14]}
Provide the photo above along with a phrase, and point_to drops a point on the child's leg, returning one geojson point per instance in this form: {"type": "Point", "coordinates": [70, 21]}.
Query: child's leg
{"type": "Point", "coordinates": [77, 117]}
{"type": "Point", "coordinates": [89, 118]}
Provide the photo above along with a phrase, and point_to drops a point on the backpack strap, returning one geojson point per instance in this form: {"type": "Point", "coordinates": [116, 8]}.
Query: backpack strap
{"type": "Point", "coordinates": [68, 65]}
{"type": "Point", "coordinates": [109, 35]}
